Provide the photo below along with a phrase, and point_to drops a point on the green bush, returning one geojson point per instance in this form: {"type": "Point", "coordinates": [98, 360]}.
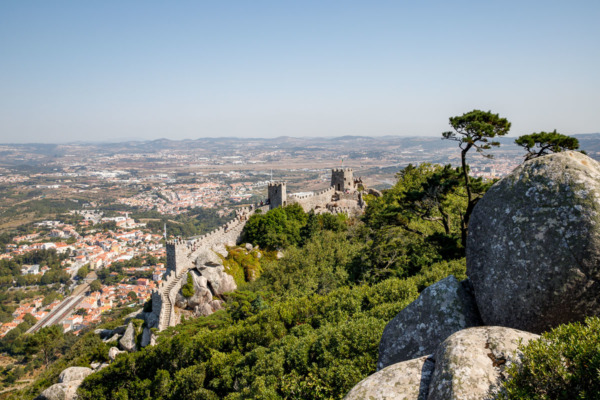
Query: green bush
{"type": "Point", "coordinates": [187, 290]}
{"type": "Point", "coordinates": [563, 364]}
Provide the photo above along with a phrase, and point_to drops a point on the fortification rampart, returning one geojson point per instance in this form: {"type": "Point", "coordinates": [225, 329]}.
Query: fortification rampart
{"type": "Point", "coordinates": [181, 257]}
{"type": "Point", "coordinates": [314, 200]}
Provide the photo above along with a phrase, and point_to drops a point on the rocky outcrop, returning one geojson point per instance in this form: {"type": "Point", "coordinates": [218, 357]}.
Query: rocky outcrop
{"type": "Point", "coordinates": [69, 380]}
{"type": "Point", "coordinates": [74, 374]}
{"type": "Point", "coordinates": [127, 342]}
{"type": "Point", "coordinates": [408, 380]}
{"type": "Point", "coordinates": [533, 248]}
{"type": "Point", "coordinates": [442, 309]}
{"type": "Point", "coordinates": [209, 281]}
{"type": "Point", "coordinates": [469, 365]}
{"type": "Point", "coordinates": [218, 280]}
{"type": "Point", "coordinates": [207, 257]}
{"type": "Point", "coordinates": [60, 391]}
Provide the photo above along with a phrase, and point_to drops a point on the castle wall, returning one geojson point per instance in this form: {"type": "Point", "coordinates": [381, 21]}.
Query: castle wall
{"type": "Point", "coordinates": [182, 254]}
{"type": "Point", "coordinates": [311, 201]}
{"type": "Point", "coordinates": [181, 257]}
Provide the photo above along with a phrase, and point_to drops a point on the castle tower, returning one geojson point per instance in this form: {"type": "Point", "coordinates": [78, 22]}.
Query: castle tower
{"type": "Point", "coordinates": [342, 179]}
{"type": "Point", "coordinates": [177, 256]}
{"type": "Point", "coordinates": [277, 194]}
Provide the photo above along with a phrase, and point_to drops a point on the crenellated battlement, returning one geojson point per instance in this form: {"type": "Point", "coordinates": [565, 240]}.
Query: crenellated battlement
{"type": "Point", "coordinates": [342, 179]}
{"type": "Point", "coordinates": [347, 169]}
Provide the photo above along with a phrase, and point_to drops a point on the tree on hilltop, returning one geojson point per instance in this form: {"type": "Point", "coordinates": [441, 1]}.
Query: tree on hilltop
{"type": "Point", "coordinates": [543, 143]}
{"type": "Point", "coordinates": [474, 129]}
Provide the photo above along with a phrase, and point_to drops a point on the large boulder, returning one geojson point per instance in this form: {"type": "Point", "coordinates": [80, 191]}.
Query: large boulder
{"type": "Point", "coordinates": [202, 293]}
{"type": "Point", "coordinates": [127, 342]}
{"type": "Point", "coordinates": [408, 380]}
{"type": "Point", "coordinates": [442, 309]}
{"type": "Point", "coordinates": [74, 374]}
{"type": "Point", "coordinates": [533, 249]}
{"type": "Point", "coordinates": [207, 257]}
{"type": "Point", "coordinates": [470, 364]}
{"type": "Point", "coordinates": [146, 335]}
{"type": "Point", "coordinates": [218, 281]}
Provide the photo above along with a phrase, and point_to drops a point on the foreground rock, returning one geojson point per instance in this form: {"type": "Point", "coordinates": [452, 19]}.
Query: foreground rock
{"type": "Point", "coordinates": [408, 380]}
{"type": "Point", "coordinates": [470, 364]}
{"type": "Point", "coordinates": [442, 309]}
{"type": "Point", "coordinates": [533, 248]}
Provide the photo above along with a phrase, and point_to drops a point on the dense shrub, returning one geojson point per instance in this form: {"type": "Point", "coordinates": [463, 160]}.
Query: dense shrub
{"type": "Point", "coordinates": [187, 290]}
{"type": "Point", "coordinates": [563, 365]}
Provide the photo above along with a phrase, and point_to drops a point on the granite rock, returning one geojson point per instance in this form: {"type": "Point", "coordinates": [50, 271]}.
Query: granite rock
{"type": "Point", "coordinates": [408, 380]}
{"type": "Point", "coordinates": [533, 248]}
{"type": "Point", "coordinates": [442, 309]}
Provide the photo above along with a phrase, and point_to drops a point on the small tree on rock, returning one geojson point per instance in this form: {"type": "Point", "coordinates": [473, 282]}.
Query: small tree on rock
{"type": "Point", "coordinates": [474, 129]}
{"type": "Point", "coordinates": [543, 143]}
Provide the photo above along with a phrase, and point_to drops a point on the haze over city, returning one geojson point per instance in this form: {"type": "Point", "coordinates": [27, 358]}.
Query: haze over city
{"type": "Point", "coordinates": [113, 71]}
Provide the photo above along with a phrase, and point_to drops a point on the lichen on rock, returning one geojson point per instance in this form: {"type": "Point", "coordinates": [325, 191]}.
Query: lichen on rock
{"type": "Point", "coordinates": [533, 248]}
{"type": "Point", "coordinates": [442, 309]}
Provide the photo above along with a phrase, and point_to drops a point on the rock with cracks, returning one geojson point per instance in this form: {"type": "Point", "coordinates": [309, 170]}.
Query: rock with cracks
{"type": "Point", "coordinates": [442, 309]}
{"type": "Point", "coordinates": [533, 248]}
{"type": "Point", "coordinates": [408, 380]}
{"type": "Point", "coordinates": [470, 364]}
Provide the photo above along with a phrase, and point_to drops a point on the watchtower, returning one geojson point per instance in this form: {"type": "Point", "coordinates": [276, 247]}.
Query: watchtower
{"type": "Point", "coordinates": [342, 179]}
{"type": "Point", "coordinates": [277, 194]}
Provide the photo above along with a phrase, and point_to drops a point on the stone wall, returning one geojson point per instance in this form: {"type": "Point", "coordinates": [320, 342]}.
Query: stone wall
{"type": "Point", "coordinates": [181, 257]}
{"type": "Point", "coordinates": [342, 179]}
{"type": "Point", "coordinates": [277, 194]}
{"type": "Point", "coordinates": [314, 200]}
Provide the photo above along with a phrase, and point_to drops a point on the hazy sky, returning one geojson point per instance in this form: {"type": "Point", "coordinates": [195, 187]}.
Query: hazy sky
{"type": "Point", "coordinates": [117, 70]}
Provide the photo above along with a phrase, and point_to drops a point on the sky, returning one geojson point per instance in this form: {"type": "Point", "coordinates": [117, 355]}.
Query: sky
{"type": "Point", "coordinates": [121, 70]}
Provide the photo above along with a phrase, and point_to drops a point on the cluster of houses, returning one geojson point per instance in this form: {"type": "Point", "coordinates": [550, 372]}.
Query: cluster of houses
{"type": "Point", "coordinates": [176, 199]}
{"type": "Point", "coordinates": [96, 250]}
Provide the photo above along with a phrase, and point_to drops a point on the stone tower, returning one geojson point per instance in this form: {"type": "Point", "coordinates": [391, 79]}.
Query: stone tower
{"type": "Point", "coordinates": [277, 194]}
{"type": "Point", "coordinates": [342, 179]}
